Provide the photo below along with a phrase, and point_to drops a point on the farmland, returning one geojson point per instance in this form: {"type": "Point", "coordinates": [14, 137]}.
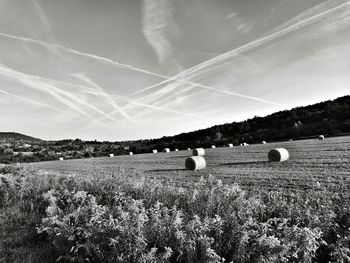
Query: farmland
{"type": "Point", "coordinates": [311, 162]}
{"type": "Point", "coordinates": [147, 208]}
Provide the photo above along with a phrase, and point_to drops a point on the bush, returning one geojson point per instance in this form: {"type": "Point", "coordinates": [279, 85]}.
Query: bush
{"type": "Point", "coordinates": [56, 218]}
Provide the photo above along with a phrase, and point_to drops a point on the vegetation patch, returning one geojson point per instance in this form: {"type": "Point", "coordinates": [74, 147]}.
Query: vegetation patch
{"type": "Point", "coordinates": [47, 217]}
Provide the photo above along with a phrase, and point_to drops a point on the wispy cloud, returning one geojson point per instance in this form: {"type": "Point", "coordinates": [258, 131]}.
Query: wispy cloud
{"type": "Point", "coordinates": [182, 78]}
{"type": "Point", "coordinates": [103, 94]}
{"type": "Point", "coordinates": [206, 65]}
{"type": "Point", "coordinates": [266, 39]}
{"type": "Point", "coordinates": [159, 27]}
{"type": "Point", "coordinates": [311, 12]}
{"type": "Point", "coordinates": [53, 46]}
{"type": "Point", "coordinates": [178, 77]}
{"type": "Point", "coordinates": [136, 104]}
{"type": "Point", "coordinates": [65, 97]}
{"type": "Point", "coordinates": [244, 28]}
{"type": "Point", "coordinates": [37, 84]}
{"type": "Point", "coordinates": [158, 108]}
{"type": "Point", "coordinates": [43, 18]}
{"type": "Point", "coordinates": [232, 15]}
{"type": "Point", "coordinates": [29, 101]}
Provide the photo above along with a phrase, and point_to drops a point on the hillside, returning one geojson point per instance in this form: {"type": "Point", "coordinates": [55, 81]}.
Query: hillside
{"type": "Point", "coordinates": [13, 136]}
{"type": "Point", "coordinates": [330, 118]}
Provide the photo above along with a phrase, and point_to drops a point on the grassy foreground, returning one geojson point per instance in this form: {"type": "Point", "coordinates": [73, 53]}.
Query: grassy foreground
{"type": "Point", "coordinates": [47, 217]}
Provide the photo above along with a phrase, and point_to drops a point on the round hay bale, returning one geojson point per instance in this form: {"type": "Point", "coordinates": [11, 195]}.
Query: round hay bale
{"type": "Point", "coordinates": [230, 145]}
{"type": "Point", "coordinates": [176, 150]}
{"type": "Point", "coordinates": [195, 163]}
{"type": "Point", "coordinates": [245, 144]}
{"type": "Point", "coordinates": [263, 142]}
{"type": "Point", "coordinates": [213, 146]}
{"type": "Point", "coordinates": [241, 144]}
{"type": "Point", "coordinates": [166, 150]}
{"type": "Point", "coordinates": [321, 137]}
{"type": "Point", "coordinates": [111, 155]}
{"type": "Point", "coordinates": [198, 152]}
{"type": "Point", "coordinates": [61, 159]}
{"type": "Point", "coordinates": [278, 155]}
{"type": "Point", "coordinates": [131, 153]}
{"type": "Point", "coordinates": [189, 149]}
{"type": "Point", "coordinates": [154, 151]}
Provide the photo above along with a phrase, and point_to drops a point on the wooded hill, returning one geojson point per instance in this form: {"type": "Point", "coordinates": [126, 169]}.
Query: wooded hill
{"type": "Point", "coordinates": [330, 118]}
{"type": "Point", "coordinates": [13, 136]}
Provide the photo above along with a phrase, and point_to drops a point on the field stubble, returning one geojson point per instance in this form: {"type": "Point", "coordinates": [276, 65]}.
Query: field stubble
{"type": "Point", "coordinates": [311, 162]}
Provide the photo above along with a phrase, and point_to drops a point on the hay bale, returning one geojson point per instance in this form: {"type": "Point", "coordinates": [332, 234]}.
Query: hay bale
{"type": "Point", "coordinates": [321, 137]}
{"type": "Point", "coordinates": [241, 144]}
{"type": "Point", "coordinates": [166, 150]}
{"type": "Point", "coordinates": [195, 163]}
{"type": "Point", "coordinates": [230, 145]}
{"type": "Point", "coordinates": [176, 150]}
{"type": "Point", "coordinates": [189, 149]}
{"type": "Point", "coordinates": [154, 151]}
{"type": "Point", "coordinates": [111, 155]}
{"type": "Point", "coordinates": [245, 144]}
{"type": "Point", "coordinates": [213, 146]}
{"type": "Point", "coordinates": [131, 153]}
{"type": "Point", "coordinates": [198, 152]}
{"type": "Point", "coordinates": [263, 142]}
{"type": "Point", "coordinates": [61, 159]}
{"type": "Point", "coordinates": [278, 155]}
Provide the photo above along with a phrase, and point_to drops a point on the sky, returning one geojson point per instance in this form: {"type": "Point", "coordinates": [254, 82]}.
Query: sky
{"type": "Point", "coordinates": [137, 69]}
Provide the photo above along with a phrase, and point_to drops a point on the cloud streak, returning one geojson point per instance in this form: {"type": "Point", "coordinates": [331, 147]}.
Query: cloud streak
{"type": "Point", "coordinates": [237, 51]}
{"type": "Point", "coordinates": [132, 104]}
{"type": "Point", "coordinates": [159, 27]}
{"type": "Point", "coordinates": [28, 101]}
{"type": "Point", "coordinates": [266, 39]}
{"type": "Point", "coordinates": [126, 66]}
{"type": "Point", "coordinates": [42, 16]}
{"type": "Point", "coordinates": [66, 98]}
{"type": "Point", "coordinates": [105, 95]}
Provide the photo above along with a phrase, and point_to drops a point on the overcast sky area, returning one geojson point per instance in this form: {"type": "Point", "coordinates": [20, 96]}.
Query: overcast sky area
{"type": "Point", "coordinates": [133, 69]}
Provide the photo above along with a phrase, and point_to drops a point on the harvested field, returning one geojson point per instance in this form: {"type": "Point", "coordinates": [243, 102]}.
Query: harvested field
{"type": "Point", "coordinates": [312, 162]}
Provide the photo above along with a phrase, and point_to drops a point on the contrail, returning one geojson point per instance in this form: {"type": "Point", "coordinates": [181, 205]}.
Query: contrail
{"type": "Point", "coordinates": [265, 39]}
{"type": "Point", "coordinates": [29, 101]}
{"type": "Point", "coordinates": [170, 101]}
{"type": "Point", "coordinates": [217, 91]}
{"type": "Point", "coordinates": [104, 94]}
{"type": "Point", "coordinates": [79, 53]}
{"type": "Point", "coordinates": [130, 102]}
{"type": "Point", "coordinates": [243, 48]}
{"type": "Point", "coordinates": [136, 103]}
{"type": "Point", "coordinates": [64, 97]}
{"type": "Point", "coordinates": [106, 60]}
{"type": "Point", "coordinates": [43, 87]}
{"type": "Point", "coordinates": [158, 108]}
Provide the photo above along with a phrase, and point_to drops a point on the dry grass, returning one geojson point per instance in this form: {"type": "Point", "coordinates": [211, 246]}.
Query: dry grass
{"type": "Point", "coordinates": [326, 162]}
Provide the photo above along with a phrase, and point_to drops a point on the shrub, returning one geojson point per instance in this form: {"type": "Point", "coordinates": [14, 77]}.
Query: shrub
{"type": "Point", "coordinates": [57, 218]}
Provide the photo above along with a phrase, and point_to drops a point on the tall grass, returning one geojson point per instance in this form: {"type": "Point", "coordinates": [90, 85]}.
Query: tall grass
{"type": "Point", "coordinates": [48, 217]}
